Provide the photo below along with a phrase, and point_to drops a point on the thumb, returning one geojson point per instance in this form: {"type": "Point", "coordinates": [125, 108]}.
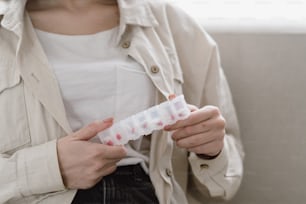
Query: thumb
{"type": "Point", "coordinates": [93, 129]}
{"type": "Point", "coordinates": [192, 108]}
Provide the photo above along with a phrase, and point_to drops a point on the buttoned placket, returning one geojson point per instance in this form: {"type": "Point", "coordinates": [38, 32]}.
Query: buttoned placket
{"type": "Point", "coordinates": [154, 72]}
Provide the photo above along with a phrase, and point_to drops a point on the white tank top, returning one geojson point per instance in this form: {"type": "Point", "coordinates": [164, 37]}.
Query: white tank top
{"type": "Point", "coordinates": [98, 81]}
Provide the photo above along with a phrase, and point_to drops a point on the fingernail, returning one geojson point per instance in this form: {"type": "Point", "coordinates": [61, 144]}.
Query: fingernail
{"type": "Point", "coordinates": [108, 120]}
{"type": "Point", "coordinates": [171, 96]}
{"type": "Point", "coordinates": [167, 128]}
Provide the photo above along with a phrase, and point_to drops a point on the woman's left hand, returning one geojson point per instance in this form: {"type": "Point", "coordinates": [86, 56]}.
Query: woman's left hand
{"type": "Point", "coordinates": [202, 132]}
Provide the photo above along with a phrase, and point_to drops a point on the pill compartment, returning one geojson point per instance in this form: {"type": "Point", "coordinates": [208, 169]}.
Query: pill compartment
{"type": "Point", "coordinates": [103, 135]}
{"type": "Point", "coordinates": [108, 140]}
{"type": "Point", "coordinates": [131, 128]}
{"type": "Point", "coordinates": [167, 112]}
{"type": "Point", "coordinates": [119, 134]}
{"type": "Point", "coordinates": [154, 116]}
{"type": "Point", "coordinates": [142, 123]}
{"type": "Point", "coordinates": [181, 109]}
{"type": "Point", "coordinates": [137, 121]}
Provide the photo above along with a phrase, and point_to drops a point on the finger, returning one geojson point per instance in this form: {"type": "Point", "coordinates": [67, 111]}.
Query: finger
{"type": "Point", "coordinates": [194, 118]}
{"type": "Point", "coordinates": [192, 108]}
{"type": "Point", "coordinates": [196, 140]}
{"type": "Point", "coordinates": [214, 124]}
{"type": "Point", "coordinates": [106, 165]}
{"type": "Point", "coordinates": [209, 149]}
{"type": "Point", "coordinates": [110, 169]}
{"type": "Point", "coordinates": [187, 131]}
{"type": "Point", "coordinates": [112, 152]}
{"type": "Point", "coordinates": [93, 129]}
{"type": "Point", "coordinates": [103, 172]}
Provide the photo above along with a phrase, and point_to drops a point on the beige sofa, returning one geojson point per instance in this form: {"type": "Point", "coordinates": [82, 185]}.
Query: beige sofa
{"type": "Point", "coordinates": [266, 70]}
{"type": "Point", "coordinates": [263, 53]}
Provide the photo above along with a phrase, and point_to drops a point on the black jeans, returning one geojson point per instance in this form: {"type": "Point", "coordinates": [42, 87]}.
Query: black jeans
{"type": "Point", "coordinates": [127, 185]}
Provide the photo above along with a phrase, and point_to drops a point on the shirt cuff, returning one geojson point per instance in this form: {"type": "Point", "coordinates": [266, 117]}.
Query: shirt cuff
{"type": "Point", "coordinates": [38, 170]}
{"type": "Point", "coordinates": [220, 176]}
{"type": "Point", "coordinates": [205, 171]}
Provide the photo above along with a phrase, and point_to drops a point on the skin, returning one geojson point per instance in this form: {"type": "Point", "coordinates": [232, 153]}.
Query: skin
{"type": "Point", "coordinates": [203, 132]}
{"type": "Point", "coordinates": [73, 17]}
{"type": "Point", "coordinates": [84, 163]}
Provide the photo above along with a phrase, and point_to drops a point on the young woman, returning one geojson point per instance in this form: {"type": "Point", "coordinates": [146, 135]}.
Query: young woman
{"type": "Point", "coordinates": [69, 68]}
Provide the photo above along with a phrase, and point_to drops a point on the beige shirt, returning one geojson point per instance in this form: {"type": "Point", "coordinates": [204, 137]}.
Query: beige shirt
{"type": "Point", "coordinates": [100, 83]}
{"type": "Point", "coordinates": [178, 56]}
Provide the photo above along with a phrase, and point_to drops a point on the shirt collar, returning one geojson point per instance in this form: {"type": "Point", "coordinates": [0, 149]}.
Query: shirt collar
{"type": "Point", "coordinates": [13, 15]}
{"type": "Point", "coordinates": [137, 12]}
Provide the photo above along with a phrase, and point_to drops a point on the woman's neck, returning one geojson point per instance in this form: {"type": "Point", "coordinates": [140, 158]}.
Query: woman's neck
{"type": "Point", "coordinates": [66, 4]}
{"type": "Point", "coordinates": [73, 17]}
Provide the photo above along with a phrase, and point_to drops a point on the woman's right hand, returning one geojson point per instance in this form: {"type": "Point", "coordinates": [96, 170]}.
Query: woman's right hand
{"type": "Point", "coordinates": [84, 163]}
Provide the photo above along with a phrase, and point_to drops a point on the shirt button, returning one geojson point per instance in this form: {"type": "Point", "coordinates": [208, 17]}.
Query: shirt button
{"type": "Point", "coordinates": [169, 172]}
{"type": "Point", "coordinates": [204, 166]}
{"type": "Point", "coordinates": [154, 69]}
{"type": "Point", "coordinates": [126, 44]}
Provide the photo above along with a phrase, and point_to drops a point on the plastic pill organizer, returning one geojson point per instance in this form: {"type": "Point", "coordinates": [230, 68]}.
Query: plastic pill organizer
{"type": "Point", "coordinates": [145, 122]}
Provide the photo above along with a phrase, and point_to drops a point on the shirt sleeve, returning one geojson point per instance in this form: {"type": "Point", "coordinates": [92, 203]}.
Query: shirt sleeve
{"type": "Point", "coordinates": [206, 84]}
{"type": "Point", "coordinates": [221, 176]}
{"type": "Point", "coordinates": [30, 171]}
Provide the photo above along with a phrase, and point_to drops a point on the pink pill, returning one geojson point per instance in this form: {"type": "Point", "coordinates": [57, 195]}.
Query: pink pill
{"type": "Point", "coordinates": [133, 130]}
{"type": "Point", "coordinates": [160, 123]}
{"type": "Point", "coordinates": [118, 136]}
{"type": "Point", "coordinates": [172, 117]}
